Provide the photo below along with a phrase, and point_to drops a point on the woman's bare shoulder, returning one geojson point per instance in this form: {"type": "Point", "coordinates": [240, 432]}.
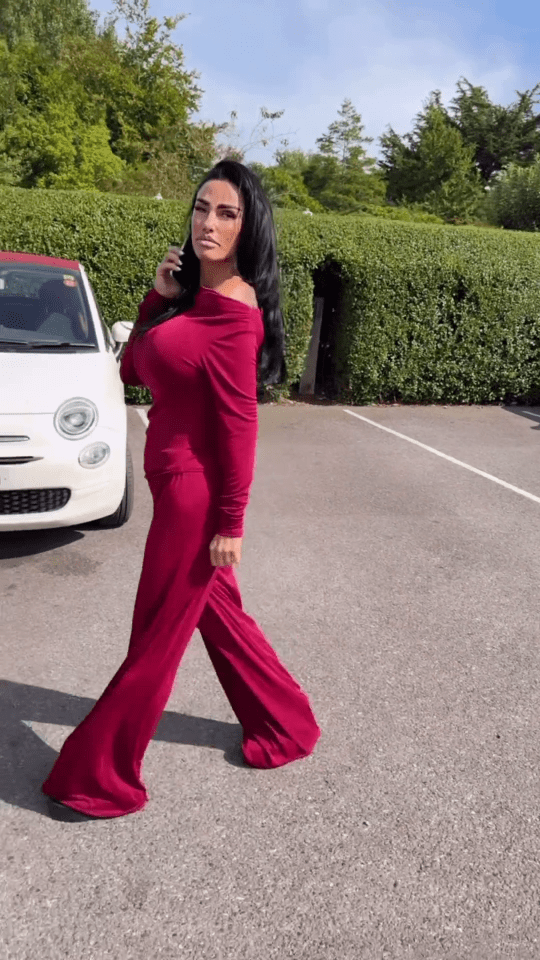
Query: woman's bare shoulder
{"type": "Point", "coordinates": [243, 292]}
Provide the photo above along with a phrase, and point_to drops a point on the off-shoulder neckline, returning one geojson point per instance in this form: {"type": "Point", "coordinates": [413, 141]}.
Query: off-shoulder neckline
{"type": "Point", "coordinates": [232, 299]}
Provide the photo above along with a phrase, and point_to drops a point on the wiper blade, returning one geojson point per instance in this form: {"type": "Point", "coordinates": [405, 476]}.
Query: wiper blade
{"type": "Point", "coordinates": [36, 344]}
{"type": "Point", "coordinates": [55, 343]}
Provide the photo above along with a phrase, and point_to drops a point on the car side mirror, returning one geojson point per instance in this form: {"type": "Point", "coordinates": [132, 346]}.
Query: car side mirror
{"type": "Point", "coordinates": [121, 330]}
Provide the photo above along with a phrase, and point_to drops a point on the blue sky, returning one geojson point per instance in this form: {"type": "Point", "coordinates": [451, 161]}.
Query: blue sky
{"type": "Point", "coordinates": [306, 56]}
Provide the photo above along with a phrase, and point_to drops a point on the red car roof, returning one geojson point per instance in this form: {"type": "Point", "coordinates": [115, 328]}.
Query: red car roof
{"type": "Point", "coordinates": [34, 258]}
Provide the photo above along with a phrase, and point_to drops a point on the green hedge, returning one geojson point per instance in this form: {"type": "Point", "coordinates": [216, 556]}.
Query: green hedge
{"type": "Point", "coordinates": [441, 314]}
{"type": "Point", "coordinates": [410, 213]}
{"type": "Point", "coordinates": [429, 313]}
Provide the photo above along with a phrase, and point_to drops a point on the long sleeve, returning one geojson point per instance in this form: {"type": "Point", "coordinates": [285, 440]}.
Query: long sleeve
{"type": "Point", "coordinates": [152, 305]}
{"type": "Point", "coordinates": [231, 364]}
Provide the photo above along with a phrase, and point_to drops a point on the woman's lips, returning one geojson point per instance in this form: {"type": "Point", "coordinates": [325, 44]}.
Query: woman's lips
{"type": "Point", "coordinates": [207, 243]}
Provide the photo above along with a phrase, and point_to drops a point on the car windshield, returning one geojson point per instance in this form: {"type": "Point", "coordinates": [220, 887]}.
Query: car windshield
{"type": "Point", "coordinates": [43, 306]}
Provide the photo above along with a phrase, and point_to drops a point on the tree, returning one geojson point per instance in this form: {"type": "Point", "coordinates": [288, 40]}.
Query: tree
{"type": "Point", "coordinates": [129, 104]}
{"type": "Point", "coordinates": [341, 176]}
{"type": "Point", "coordinates": [141, 79]}
{"type": "Point", "coordinates": [45, 22]}
{"type": "Point", "coordinates": [233, 150]}
{"type": "Point", "coordinates": [179, 161]}
{"type": "Point", "coordinates": [345, 137]}
{"type": "Point", "coordinates": [57, 150]}
{"type": "Point", "coordinates": [295, 161]}
{"type": "Point", "coordinates": [51, 132]}
{"type": "Point", "coordinates": [499, 135]}
{"type": "Point", "coordinates": [150, 100]}
{"type": "Point", "coordinates": [432, 166]}
{"type": "Point", "coordinates": [285, 188]}
{"type": "Point", "coordinates": [340, 188]}
{"type": "Point", "coordinates": [514, 197]}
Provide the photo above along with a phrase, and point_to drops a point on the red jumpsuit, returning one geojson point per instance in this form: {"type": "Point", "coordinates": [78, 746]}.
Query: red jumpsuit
{"type": "Point", "coordinates": [199, 461]}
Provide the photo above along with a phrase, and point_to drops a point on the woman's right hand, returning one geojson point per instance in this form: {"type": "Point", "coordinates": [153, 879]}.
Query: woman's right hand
{"type": "Point", "coordinates": [165, 284]}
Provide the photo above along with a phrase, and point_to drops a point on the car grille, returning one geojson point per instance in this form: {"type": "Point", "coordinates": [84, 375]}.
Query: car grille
{"type": "Point", "coordinates": [33, 501]}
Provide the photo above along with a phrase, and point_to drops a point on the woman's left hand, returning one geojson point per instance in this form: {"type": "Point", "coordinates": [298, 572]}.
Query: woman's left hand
{"type": "Point", "coordinates": [226, 551]}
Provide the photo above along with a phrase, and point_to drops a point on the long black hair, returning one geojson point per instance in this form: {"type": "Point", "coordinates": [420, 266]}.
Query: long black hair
{"type": "Point", "coordinates": [257, 265]}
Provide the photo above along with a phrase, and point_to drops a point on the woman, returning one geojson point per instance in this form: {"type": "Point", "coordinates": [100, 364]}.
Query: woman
{"type": "Point", "coordinates": [212, 317]}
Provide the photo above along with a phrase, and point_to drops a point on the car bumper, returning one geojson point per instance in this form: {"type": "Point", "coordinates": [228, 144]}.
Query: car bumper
{"type": "Point", "coordinates": [93, 492]}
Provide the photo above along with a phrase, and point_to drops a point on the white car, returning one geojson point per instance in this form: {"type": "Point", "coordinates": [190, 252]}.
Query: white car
{"type": "Point", "coordinates": [64, 458]}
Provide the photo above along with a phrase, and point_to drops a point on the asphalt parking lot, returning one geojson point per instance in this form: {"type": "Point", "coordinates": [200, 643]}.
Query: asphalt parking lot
{"type": "Point", "coordinates": [391, 556]}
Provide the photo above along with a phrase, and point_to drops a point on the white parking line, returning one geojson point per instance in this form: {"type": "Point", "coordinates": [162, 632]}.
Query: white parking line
{"type": "Point", "coordinates": [438, 453]}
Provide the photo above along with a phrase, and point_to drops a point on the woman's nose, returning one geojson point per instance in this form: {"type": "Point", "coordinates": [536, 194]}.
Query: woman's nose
{"type": "Point", "coordinates": [209, 219]}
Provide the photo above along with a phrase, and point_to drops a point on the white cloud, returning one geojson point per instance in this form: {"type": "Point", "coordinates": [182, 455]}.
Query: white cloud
{"type": "Point", "coordinates": [386, 63]}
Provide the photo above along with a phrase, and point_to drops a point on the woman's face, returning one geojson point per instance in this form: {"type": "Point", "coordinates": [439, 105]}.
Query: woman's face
{"type": "Point", "coordinates": [218, 217]}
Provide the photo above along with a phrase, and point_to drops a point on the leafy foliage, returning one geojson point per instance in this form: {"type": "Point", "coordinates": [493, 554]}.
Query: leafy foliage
{"type": "Point", "coordinates": [344, 138]}
{"type": "Point", "coordinates": [514, 198]}
{"type": "Point", "coordinates": [45, 23]}
{"type": "Point", "coordinates": [101, 113]}
{"type": "Point", "coordinates": [51, 132]}
{"type": "Point", "coordinates": [412, 213]}
{"type": "Point", "coordinates": [340, 177]}
{"type": "Point", "coordinates": [285, 189]}
{"type": "Point", "coordinates": [499, 135]}
{"type": "Point", "coordinates": [452, 154]}
{"type": "Point", "coordinates": [432, 166]}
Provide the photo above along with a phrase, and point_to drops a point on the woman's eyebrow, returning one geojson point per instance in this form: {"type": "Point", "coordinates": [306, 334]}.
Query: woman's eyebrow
{"type": "Point", "coordinates": [227, 206]}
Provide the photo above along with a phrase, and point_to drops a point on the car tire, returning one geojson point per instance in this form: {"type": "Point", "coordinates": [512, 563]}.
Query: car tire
{"type": "Point", "coordinates": [123, 513]}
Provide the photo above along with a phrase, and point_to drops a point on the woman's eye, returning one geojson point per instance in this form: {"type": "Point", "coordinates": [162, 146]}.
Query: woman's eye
{"type": "Point", "coordinates": [228, 213]}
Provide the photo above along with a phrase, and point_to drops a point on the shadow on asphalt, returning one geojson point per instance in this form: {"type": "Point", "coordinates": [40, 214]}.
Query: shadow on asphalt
{"type": "Point", "coordinates": [520, 412]}
{"type": "Point", "coordinates": [25, 759]}
{"type": "Point", "coordinates": [27, 543]}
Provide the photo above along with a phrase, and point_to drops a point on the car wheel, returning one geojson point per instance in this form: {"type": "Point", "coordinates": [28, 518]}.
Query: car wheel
{"type": "Point", "coordinates": [123, 513]}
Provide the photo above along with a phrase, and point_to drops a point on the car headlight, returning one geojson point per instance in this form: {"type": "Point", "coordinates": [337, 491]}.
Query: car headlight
{"type": "Point", "coordinates": [76, 418]}
{"type": "Point", "coordinates": [95, 455]}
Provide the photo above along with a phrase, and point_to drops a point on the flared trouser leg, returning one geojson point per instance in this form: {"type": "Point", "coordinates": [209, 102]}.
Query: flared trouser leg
{"type": "Point", "coordinates": [275, 713]}
{"type": "Point", "coordinates": [98, 770]}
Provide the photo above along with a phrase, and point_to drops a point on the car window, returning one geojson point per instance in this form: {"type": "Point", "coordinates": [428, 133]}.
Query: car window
{"type": "Point", "coordinates": [43, 304]}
